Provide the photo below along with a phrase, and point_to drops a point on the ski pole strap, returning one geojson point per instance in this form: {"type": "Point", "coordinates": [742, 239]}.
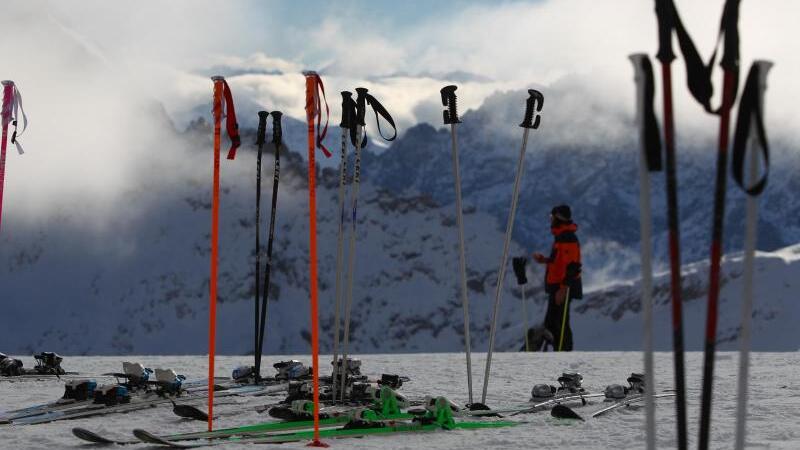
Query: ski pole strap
{"type": "Point", "coordinates": [698, 74]}
{"type": "Point", "coordinates": [277, 128]}
{"type": "Point", "coordinates": [650, 124]}
{"type": "Point", "coordinates": [379, 110]}
{"type": "Point", "coordinates": [12, 106]}
{"type": "Point", "coordinates": [364, 99]}
{"type": "Point", "coordinates": [751, 115]}
{"type": "Point", "coordinates": [231, 126]}
{"type": "Point", "coordinates": [348, 111]}
{"type": "Point", "coordinates": [261, 134]}
{"type": "Point", "coordinates": [533, 106]}
{"type": "Point", "coordinates": [518, 263]}
{"type": "Point", "coordinates": [316, 109]}
{"type": "Point", "coordinates": [450, 114]}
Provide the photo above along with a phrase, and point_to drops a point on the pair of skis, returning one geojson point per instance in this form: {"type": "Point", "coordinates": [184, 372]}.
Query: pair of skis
{"type": "Point", "coordinates": [530, 121]}
{"type": "Point", "coordinates": [749, 127]}
{"type": "Point", "coordinates": [353, 124]}
{"type": "Point", "coordinates": [365, 424]}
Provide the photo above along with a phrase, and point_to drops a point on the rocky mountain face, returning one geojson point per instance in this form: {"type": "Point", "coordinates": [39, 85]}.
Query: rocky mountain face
{"type": "Point", "coordinates": [138, 283]}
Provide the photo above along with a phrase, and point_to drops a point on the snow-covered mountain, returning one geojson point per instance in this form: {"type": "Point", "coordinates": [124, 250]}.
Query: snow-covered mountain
{"type": "Point", "coordinates": [139, 284]}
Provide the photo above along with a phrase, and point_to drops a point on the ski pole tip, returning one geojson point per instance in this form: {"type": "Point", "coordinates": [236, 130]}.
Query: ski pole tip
{"type": "Point", "coordinates": [317, 443]}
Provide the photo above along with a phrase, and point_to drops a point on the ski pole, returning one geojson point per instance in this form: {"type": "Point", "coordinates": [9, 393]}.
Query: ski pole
{"type": "Point", "coordinates": [518, 264]}
{"type": "Point", "coordinates": [730, 65]}
{"type": "Point", "coordinates": [351, 253]}
{"type": "Point", "coordinates": [348, 122]}
{"type": "Point", "coordinates": [665, 16]}
{"type": "Point", "coordinates": [749, 131]}
{"type": "Point", "coordinates": [525, 319]}
{"type": "Point", "coordinates": [277, 140]}
{"type": "Point", "coordinates": [223, 100]}
{"type": "Point", "coordinates": [314, 88]}
{"type": "Point", "coordinates": [649, 160]}
{"type": "Point", "coordinates": [533, 107]}
{"type": "Point", "coordinates": [563, 321]}
{"type": "Point", "coordinates": [12, 104]}
{"type": "Point", "coordinates": [362, 100]}
{"type": "Point", "coordinates": [260, 139]}
{"type": "Point", "coordinates": [450, 116]}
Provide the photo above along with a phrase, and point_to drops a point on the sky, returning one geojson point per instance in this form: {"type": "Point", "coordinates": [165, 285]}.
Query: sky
{"type": "Point", "coordinates": [90, 71]}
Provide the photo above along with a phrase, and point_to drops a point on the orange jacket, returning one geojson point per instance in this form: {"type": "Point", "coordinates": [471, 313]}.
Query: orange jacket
{"type": "Point", "coordinates": [564, 263]}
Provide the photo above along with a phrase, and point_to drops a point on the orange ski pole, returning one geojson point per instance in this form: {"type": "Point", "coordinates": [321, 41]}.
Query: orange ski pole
{"type": "Point", "coordinates": [314, 88]}
{"type": "Point", "coordinates": [221, 92]}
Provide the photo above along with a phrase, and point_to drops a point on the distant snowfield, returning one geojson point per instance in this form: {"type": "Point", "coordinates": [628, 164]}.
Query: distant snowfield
{"type": "Point", "coordinates": [774, 415]}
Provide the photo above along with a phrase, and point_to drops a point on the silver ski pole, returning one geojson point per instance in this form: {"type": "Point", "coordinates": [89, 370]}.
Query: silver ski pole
{"type": "Point", "coordinates": [351, 262]}
{"type": "Point", "coordinates": [531, 121]}
{"type": "Point", "coordinates": [348, 117]}
{"type": "Point", "coordinates": [451, 118]}
{"type": "Point", "coordinates": [763, 68]}
{"type": "Point", "coordinates": [649, 159]}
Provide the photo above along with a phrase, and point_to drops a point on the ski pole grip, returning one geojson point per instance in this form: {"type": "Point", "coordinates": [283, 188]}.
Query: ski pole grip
{"type": "Point", "coordinates": [532, 107]}
{"type": "Point", "coordinates": [449, 101]}
{"type": "Point", "coordinates": [277, 128]}
{"type": "Point", "coordinates": [361, 106]}
{"type": "Point", "coordinates": [348, 110]}
{"type": "Point", "coordinates": [261, 134]}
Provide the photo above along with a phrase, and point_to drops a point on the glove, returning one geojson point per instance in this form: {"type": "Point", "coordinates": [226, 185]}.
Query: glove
{"type": "Point", "coordinates": [540, 258]}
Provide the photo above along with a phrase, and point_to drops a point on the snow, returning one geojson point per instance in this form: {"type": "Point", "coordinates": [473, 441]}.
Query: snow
{"type": "Point", "coordinates": [773, 422]}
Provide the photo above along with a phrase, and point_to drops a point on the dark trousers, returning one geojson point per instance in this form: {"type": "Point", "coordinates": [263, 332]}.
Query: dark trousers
{"type": "Point", "coordinates": [552, 321]}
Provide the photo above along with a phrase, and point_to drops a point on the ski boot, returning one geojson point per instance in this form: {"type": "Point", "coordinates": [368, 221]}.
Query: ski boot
{"type": "Point", "coordinates": [48, 363]}
{"type": "Point", "coordinates": [10, 367]}
{"type": "Point", "coordinates": [79, 390]}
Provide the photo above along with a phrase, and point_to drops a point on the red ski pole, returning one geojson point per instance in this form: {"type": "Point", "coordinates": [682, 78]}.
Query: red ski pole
{"type": "Point", "coordinates": [221, 93]}
{"type": "Point", "coordinates": [314, 88]}
{"type": "Point", "coordinates": [11, 103]}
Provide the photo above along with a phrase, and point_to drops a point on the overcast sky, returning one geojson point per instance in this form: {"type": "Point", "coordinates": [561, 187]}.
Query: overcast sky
{"type": "Point", "coordinates": [87, 68]}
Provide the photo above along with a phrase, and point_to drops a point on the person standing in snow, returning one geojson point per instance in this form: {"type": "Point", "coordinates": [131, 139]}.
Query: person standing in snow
{"type": "Point", "coordinates": [563, 273]}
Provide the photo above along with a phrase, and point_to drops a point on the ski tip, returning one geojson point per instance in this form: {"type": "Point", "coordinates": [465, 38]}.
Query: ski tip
{"type": "Point", "coordinates": [189, 412]}
{"type": "Point", "coordinates": [90, 436]}
{"type": "Point", "coordinates": [565, 412]}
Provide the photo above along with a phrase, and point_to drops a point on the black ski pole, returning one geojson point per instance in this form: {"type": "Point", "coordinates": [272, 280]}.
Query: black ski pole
{"type": "Point", "coordinates": [530, 122]}
{"type": "Point", "coordinates": [664, 13]}
{"type": "Point", "coordinates": [749, 131]}
{"type": "Point", "coordinates": [730, 65]}
{"type": "Point", "coordinates": [649, 161]}
{"type": "Point", "coordinates": [347, 124]}
{"type": "Point", "coordinates": [450, 116]}
{"type": "Point", "coordinates": [260, 138]}
{"type": "Point", "coordinates": [277, 140]}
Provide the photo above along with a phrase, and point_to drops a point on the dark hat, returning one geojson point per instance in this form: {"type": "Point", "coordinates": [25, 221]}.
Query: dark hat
{"type": "Point", "coordinates": [562, 212]}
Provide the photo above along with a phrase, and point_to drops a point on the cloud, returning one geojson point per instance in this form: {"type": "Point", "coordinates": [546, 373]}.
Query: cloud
{"type": "Point", "coordinates": [91, 73]}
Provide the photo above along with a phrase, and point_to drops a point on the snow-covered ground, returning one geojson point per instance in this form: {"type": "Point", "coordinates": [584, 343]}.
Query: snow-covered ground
{"type": "Point", "coordinates": [774, 415]}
